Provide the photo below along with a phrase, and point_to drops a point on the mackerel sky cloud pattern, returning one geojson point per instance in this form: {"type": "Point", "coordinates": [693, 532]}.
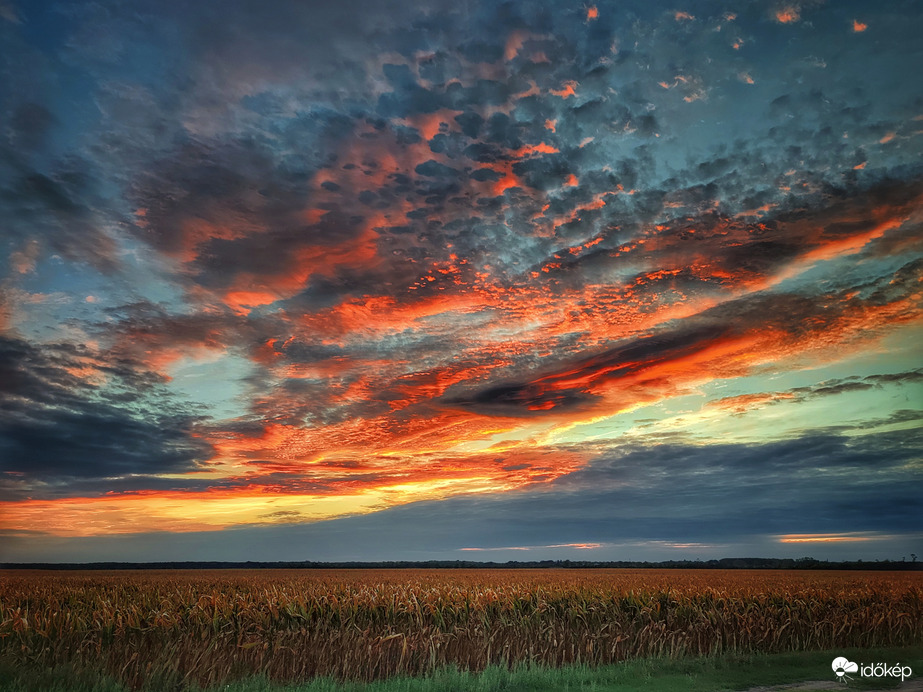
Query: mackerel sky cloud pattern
{"type": "Point", "coordinates": [387, 280]}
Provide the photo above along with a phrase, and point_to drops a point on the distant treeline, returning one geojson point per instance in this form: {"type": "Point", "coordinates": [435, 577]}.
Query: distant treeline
{"type": "Point", "coordinates": [724, 563]}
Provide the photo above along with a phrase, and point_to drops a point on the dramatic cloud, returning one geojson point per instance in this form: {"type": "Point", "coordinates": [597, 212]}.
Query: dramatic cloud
{"type": "Point", "coordinates": [282, 263]}
{"type": "Point", "coordinates": [67, 413]}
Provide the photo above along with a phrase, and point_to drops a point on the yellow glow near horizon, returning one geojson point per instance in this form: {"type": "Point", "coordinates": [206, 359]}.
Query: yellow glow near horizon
{"type": "Point", "coordinates": [829, 537]}
{"type": "Point", "coordinates": [208, 511]}
{"type": "Point", "coordinates": [89, 516]}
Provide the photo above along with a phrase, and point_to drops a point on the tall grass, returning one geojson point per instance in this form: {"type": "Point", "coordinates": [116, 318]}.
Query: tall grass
{"type": "Point", "coordinates": [212, 627]}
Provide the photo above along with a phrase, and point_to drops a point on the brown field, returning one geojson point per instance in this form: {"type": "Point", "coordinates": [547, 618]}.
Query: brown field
{"type": "Point", "coordinates": [214, 626]}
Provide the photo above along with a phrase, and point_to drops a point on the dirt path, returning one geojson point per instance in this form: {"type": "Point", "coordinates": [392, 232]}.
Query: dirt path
{"type": "Point", "coordinates": [915, 685]}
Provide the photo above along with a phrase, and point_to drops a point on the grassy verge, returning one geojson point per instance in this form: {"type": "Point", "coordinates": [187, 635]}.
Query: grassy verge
{"type": "Point", "coordinates": [707, 674]}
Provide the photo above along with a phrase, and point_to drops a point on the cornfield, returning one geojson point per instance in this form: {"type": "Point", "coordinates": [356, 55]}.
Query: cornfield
{"type": "Point", "coordinates": [215, 626]}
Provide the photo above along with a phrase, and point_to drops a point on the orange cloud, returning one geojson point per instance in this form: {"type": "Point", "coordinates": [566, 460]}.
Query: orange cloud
{"type": "Point", "coordinates": [568, 90]}
{"type": "Point", "coordinates": [429, 124]}
{"type": "Point", "coordinates": [514, 44]}
{"type": "Point", "coordinates": [787, 15]}
{"type": "Point", "coordinates": [533, 149]}
{"type": "Point", "coordinates": [197, 231]}
{"type": "Point", "coordinates": [242, 302]}
{"type": "Point", "coordinates": [746, 402]}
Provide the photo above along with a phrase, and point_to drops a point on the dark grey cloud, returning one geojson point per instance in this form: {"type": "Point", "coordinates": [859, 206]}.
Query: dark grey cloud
{"type": "Point", "coordinates": [59, 207]}
{"type": "Point", "coordinates": [30, 124]}
{"type": "Point", "coordinates": [554, 388]}
{"type": "Point", "coordinates": [857, 383]}
{"type": "Point", "coordinates": [143, 331]}
{"type": "Point", "coordinates": [68, 412]}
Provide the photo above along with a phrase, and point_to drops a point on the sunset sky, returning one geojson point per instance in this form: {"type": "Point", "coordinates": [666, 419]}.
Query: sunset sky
{"type": "Point", "coordinates": [476, 280]}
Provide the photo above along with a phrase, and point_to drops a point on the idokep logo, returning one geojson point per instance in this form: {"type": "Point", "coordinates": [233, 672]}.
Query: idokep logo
{"type": "Point", "coordinates": [843, 666]}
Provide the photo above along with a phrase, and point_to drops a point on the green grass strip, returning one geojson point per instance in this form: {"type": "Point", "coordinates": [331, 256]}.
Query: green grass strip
{"type": "Point", "coordinates": [707, 674]}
